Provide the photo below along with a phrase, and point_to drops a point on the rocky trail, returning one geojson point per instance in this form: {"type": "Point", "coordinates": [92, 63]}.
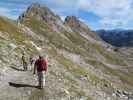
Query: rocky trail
{"type": "Point", "coordinates": [16, 84]}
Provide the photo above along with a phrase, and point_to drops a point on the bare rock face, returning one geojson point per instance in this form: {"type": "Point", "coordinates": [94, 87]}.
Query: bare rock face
{"type": "Point", "coordinates": [39, 12]}
{"type": "Point", "coordinates": [72, 21]}
{"type": "Point", "coordinates": [43, 14]}
{"type": "Point", "coordinates": [76, 24]}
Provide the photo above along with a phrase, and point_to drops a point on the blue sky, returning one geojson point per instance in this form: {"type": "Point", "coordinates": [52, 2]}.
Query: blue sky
{"type": "Point", "coordinates": [97, 14]}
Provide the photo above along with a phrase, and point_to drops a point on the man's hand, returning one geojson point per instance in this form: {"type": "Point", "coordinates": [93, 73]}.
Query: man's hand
{"type": "Point", "coordinates": [34, 69]}
{"type": "Point", "coordinates": [34, 73]}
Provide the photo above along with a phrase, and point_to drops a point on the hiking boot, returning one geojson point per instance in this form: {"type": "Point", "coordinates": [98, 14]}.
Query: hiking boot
{"type": "Point", "coordinates": [40, 87]}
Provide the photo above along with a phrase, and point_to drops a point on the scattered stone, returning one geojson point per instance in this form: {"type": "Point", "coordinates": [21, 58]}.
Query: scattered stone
{"type": "Point", "coordinates": [12, 45]}
{"type": "Point", "coordinates": [123, 94]}
{"type": "Point", "coordinates": [106, 85]}
{"type": "Point", "coordinates": [83, 78]}
{"type": "Point", "coordinates": [66, 91]}
{"type": "Point", "coordinates": [29, 92]}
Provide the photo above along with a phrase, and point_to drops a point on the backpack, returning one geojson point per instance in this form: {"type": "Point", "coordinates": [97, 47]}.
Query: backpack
{"type": "Point", "coordinates": [41, 65]}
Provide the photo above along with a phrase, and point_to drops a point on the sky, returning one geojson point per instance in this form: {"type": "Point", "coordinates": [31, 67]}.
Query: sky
{"type": "Point", "coordinates": [97, 14]}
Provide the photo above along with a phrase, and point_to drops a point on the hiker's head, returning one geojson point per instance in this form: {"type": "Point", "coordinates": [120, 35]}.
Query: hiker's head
{"type": "Point", "coordinates": [40, 57]}
{"type": "Point", "coordinates": [23, 53]}
{"type": "Point", "coordinates": [43, 55]}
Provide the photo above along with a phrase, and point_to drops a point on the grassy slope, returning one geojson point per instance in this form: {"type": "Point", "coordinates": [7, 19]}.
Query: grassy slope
{"type": "Point", "coordinates": [7, 26]}
{"type": "Point", "coordinates": [15, 34]}
{"type": "Point", "coordinates": [74, 42]}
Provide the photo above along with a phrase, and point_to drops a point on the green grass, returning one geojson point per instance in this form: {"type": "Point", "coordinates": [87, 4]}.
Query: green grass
{"type": "Point", "coordinates": [77, 39]}
{"type": "Point", "coordinates": [73, 42]}
{"type": "Point", "coordinates": [16, 36]}
{"type": "Point", "coordinates": [75, 69]}
{"type": "Point", "coordinates": [110, 57]}
{"type": "Point", "coordinates": [58, 39]}
{"type": "Point", "coordinates": [72, 81]}
{"type": "Point", "coordinates": [76, 42]}
{"type": "Point", "coordinates": [101, 66]}
{"type": "Point", "coordinates": [79, 92]}
{"type": "Point", "coordinates": [124, 77]}
{"type": "Point", "coordinates": [13, 31]}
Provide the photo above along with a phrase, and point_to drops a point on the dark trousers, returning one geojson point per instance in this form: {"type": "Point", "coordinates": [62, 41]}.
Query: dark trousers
{"type": "Point", "coordinates": [25, 65]}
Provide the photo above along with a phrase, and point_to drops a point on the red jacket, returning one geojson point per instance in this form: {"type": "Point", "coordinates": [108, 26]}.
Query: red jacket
{"type": "Point", "coordinates": [41, 65]}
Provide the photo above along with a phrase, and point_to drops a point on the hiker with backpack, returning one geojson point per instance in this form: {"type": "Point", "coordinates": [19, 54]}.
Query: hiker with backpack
{"type": "Point", "coordinates": [32, 60]}
{"type": "Point", "coordinates": [24, 62]}
{"type": "Point", "coordinates": [40, 66]}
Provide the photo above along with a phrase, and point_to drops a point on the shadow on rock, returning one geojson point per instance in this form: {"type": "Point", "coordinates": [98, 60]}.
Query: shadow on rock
{"type": "Point", "coordinates": [17, 69]}
{"type": "Point", "coordinates": [21, 85]}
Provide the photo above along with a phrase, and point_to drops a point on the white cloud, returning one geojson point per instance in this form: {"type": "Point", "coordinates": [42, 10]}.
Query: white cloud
{"type": "Point", "coordinates": [63, 7]}
{"type": "Point", "coordinates": [6, 12]}
{"type": "Point", "coordinates": [113, 13]}
{"type": "Point", "coordinates": [63, 3]}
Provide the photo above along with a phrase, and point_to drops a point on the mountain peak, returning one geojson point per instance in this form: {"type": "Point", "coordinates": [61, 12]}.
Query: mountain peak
{"type": "Point", "coordinates": [39, 12]}
{"type": "Point", "coordinates": [72, 21]}
{"type": "Point", "coordinates": [76, 24]}
{"type": "Point", "coordinates": [80, 27]}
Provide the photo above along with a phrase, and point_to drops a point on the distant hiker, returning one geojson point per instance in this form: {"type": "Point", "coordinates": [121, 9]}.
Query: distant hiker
{"type": "Point", "coordinates": [32, 61]}
{"type": "Point", "coordinates": [24, 62]}
{"type": "Point", "coordinates": [41, 65]}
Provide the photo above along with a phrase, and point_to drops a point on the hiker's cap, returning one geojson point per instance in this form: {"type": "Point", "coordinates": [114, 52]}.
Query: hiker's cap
{"type": "Point", "coordinates": [40, 56]}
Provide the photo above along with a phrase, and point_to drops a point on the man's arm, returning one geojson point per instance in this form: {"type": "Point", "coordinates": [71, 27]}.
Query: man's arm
{"type": "Point", "coordinates": [46, 65]}
{"type": "Point", "coordinates": [34, 68]}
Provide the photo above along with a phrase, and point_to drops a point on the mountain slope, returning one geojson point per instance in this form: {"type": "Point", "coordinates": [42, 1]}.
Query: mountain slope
{"type": "Point", "coordinates": [80, 27]}
{"type": "Point", "coordinates": [63, 40]}
{"type": "Point", "coordinates": [79, 67]}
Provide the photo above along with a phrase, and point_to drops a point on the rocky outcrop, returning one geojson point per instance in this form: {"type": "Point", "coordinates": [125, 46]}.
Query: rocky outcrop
{"type": "Point", "coordinates": [124, 95]}
{"type": "Point", "coordinates": [40, 12]}
{"type": "Point", "coordinates": [73, 22]}
{"type": "Point", "coordinates": [43, 14]}
{"type": "Point", "coordinates": [80, 27]}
